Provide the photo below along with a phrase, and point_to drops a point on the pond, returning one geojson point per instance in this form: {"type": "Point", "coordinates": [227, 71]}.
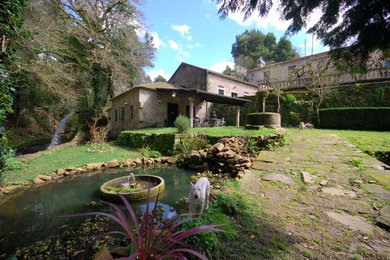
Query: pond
{"type": "Point", "coordinates": [32, 215]}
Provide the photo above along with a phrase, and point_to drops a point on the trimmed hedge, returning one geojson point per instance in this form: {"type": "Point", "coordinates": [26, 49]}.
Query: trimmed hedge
{"type": "Point", "coordinates": [163, 143]}
{"type": "Point", "coordinates": [356, 118]}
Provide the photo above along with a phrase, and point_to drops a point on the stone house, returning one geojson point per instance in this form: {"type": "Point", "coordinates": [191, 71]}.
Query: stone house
{"type": "Point", "coordinates": [189, 89]}
{"type": "Point", "coordinates": [277, 75]}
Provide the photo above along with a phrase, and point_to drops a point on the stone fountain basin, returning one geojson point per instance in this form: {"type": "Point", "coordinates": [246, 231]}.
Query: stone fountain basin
{"type": "Point", "coordinates": [157, 186]}
{"type": "Point", "coordinates": [267, 119]}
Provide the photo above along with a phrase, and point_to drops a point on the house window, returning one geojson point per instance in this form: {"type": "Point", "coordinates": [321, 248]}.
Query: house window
{"type": "Point", "coordinates": [122, 113]}
{"type": "Point", "coordinates": [131, 112]}
{"type": "Point", "coordinates": [188, 111]}
{"type": "Point", "coordinates": [116, 114]}
{"type": "Point", "coordinates": [234, 94]}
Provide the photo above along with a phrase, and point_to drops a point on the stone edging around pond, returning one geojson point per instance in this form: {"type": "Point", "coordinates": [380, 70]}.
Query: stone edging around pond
{"type": "Point", "coordinates": [226, 156]}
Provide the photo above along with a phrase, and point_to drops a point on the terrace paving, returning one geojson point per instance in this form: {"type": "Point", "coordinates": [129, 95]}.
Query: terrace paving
{"type": "Point", "coordinates": [344, 217]}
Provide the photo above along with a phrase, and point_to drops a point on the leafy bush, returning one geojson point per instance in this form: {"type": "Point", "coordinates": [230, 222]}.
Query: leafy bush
{"type": "Point", "coordinates": [209, 241]}
{"type": "Point", "coordinates": [232, 206]}
{"type": "Point", "coordinates": [7, 159]}
{"type": "Point", "coordinates": [152, 239]}
{"type": "Point", "coordinates": [252, 146]}
{"type": "Point", "coordinates": [188, 144]}
{"type": "Point", "coordinates": [148, 152]}
{"type": "Point", "coordinates": [182, 123]}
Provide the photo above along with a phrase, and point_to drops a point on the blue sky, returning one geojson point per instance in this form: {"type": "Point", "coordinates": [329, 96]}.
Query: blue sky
{"type": "Point", "coordinates": [191, 31]}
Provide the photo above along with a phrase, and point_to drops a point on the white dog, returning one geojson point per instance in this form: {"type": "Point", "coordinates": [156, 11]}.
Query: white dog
{"type": "Point", "coordinates": [199, 195]}
{"type": "Point", "coordinates": [302, 126]}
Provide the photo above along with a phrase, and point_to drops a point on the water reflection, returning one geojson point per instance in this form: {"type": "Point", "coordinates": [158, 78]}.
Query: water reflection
{"type": "Point", "coordinates": [33, 215]}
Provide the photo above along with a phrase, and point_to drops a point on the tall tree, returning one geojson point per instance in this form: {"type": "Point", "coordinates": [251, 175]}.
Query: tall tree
{"type": "Point", "coordinates": [11, 23]}
{"type": "Point", "coordinates": [94, 43]}
{"type": "Point", "coordinates": [160, 78]}
{"type": "Point", "coordinates": [252, 44]}
{"type": "Point", "coordinates": [318, 77]}
{"type": "Point", "coordinates": [364, 25]}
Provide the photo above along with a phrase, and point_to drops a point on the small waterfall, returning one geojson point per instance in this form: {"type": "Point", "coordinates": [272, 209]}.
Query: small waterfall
{"type": "Point", "coordinates": [57, 135]}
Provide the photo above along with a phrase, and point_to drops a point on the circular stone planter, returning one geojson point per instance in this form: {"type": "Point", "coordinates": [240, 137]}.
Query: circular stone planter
{"type": "Point", "coordinates": [267, 119]}
{"type": "Point", "coordinates": [157, 186]}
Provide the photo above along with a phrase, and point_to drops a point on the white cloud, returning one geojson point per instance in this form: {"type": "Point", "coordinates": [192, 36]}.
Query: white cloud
{"type": "Point", "coordinates": [195, 45]}
{"type": "Point", "coordinates": [179, 48]}
{"type": "Point", "coordinates": [272, 19]}
{"type": "Point", "coordinates": [221, 66]}
{"type": "Point", "coordinates": [157, 42]}
{"type": "Point", "coordinates": [154, 73]}
{"type": "Point", "coordinates": [184, 31]}
{"type": "Point", "coordinates": [174, 45]}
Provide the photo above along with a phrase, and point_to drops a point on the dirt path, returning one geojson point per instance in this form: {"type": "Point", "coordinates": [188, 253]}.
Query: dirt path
{"type": "Point", "coordinates": [327, 194]}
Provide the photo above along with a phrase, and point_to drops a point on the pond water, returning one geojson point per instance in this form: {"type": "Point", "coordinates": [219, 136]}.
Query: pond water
{"type": "Point", "coordinates": [32, 215]}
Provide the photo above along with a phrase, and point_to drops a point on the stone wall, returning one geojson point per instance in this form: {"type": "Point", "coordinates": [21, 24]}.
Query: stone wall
{"type": "Point", "coordinates": [228, 156]}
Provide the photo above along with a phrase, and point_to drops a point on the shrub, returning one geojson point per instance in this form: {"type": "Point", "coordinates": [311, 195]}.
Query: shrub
{"type": "Point", "coordinates": [188, 144]}
{"type": "Point", "coordinates": [356, 118]}
{"type": "Point", "coordinates": [152, 239]}
{"type": "Point", "coordinates": [148, 152]}
{"type": "Point", "coordinates": [182, 123]}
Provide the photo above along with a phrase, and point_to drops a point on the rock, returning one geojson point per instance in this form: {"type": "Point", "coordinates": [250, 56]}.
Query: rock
{"type": "Point", "coordinates": [372, 182]}
{"type": "Point", "coordinates": [324, 182]}
{"type": "Point", "coordinates": [112, 164]}
{"type": "Point", "coordinates": [70, 168]}
{"type": "Point", "coordinates": [338, 192]}
{"type": "Point", "coordinates": [372, 188]}
{"type": "Point", "coordinates": [60, 171]}
{"type": "Point", "coordinates": [80, 170]}
{"type": "Point", "coordinates": [38, 181]}
{"type": "Point", "coordinates": [103, 254]}
{"type": "Point", "coordinates": [128, 162]}
{"type": "Point", "coordinates": [72, 173]}
{"type": "Point", "coordinates": [138, 161]}
{"type": "Point", "coordinates": [172, 160]}
{"type": "Point", "coordinates": [357, 181]}
{"type": "Point", "coordinates": [94, 166]}
{"type": "Point", "coordinates": [230, 154]}
{"type": "Point", "coordinates": [157, 160]}
{"type": "Point", "coordinates": [10, 188]}
{"type": "Point", "coordinates": [384, 216]}
{"type": "Point", "coordinates": [307, 178]}
{"type": "Point", "coordinates": [353, 222]}
{"type": "Point", "coordinates": [53, 176]}
{"type": "Point", "coordinates": [45, 177]}
{"type": "Point", "coordinates": [195, 153]}
{"type": "Point", "coordinates": [121, 251]}
{"type": "Point", "coordinates": [218, 147]}
{"type": "Point", "coordinates": [203, 155]}
{"type": "Point", "coordinates": [278, 177]}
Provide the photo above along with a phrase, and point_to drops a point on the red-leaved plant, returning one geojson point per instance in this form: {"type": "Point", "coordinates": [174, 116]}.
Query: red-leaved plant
{"type": "Point", "coordinates": [153, 240]}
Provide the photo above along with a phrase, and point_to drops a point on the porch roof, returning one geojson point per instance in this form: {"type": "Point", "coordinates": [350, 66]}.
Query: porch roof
{"type": "Point", "coordinates": [204, 95]}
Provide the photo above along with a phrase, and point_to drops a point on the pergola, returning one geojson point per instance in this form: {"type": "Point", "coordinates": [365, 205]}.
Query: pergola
{"type": "Point", "coordinates": [193, 94]}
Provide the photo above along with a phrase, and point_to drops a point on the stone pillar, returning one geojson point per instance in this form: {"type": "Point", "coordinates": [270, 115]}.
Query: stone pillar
{"type": "Point", "coordinates": [238, 116]}
{"type": "Point", "coordinates": [191, 112]}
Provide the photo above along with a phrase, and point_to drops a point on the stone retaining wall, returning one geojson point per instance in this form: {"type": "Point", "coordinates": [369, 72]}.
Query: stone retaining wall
{"type": "Point", "coordinates": [229, 155]}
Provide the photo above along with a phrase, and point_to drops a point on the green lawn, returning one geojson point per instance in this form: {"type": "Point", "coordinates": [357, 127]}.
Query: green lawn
{"type": "Point", "coordinates": [69, 156]}
{"type": "Point", "coordinates": [212, 131]}
{"type": "Point", "coordinates": [367, 141]}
